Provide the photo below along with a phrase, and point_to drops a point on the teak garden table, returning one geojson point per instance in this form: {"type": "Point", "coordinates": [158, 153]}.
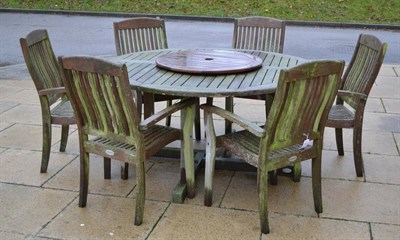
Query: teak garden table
{"type": "Point", "coordinates": [167, 72]}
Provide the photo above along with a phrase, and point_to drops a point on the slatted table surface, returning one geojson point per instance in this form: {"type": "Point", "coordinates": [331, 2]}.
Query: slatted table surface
{"type": "Point", "coordinates": [146, 76]}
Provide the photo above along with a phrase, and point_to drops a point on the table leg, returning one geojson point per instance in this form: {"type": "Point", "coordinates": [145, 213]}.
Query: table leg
{"type": "Point", "coordinates": [179, 193]}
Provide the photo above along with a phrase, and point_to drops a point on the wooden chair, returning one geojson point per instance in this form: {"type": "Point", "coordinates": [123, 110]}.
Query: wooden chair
{"type": "Point", "coordinates": [354, 89]}
{"type": "Point", "coordinates": [257, 33]}
{"type": "Point", "coordinates": [46, 74]}
{"type": "Point", "coordinates": [109, 124]}
{"type": "Point", "coordinates": [298, 115]}
{"type": "Point", "coordinates": [145, 34]}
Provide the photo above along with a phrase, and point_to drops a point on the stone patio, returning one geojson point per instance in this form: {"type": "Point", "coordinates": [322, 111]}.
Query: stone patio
{"type": "Point", "coordinates": [45, 206]}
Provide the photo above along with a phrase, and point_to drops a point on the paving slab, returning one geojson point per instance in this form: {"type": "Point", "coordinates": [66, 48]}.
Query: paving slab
{"type": "Point", "coordinates": [342, 167]}
{"type": "Point", "coordinates": [68, 178]}
{"type": "Point", "coordinates": [23, 166]}
{"type": "Point", "coordinates": [371, 141]}
{"type": "Point", "coordinates": [384, 231]}
{"type": "Point", "coordinates": [364, 202]}
{"type": "Point", "coordinates": [31, 140]}
{"type": "Point", "coordinates": [299, 227]}
{"type": "Point", "coordinates": [189, 221]}
{"type": "Point", "coordinates": [104, 217]}
{"type": "Point", "coordinates": [26, 210]}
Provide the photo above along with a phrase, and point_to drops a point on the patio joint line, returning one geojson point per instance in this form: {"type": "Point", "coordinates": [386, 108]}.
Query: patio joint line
{"type": "Point", "coordinates": [396, 143]}
{"type": "Point", "coordinates": [357, 221]}
{"type": "Point", "coordinates": [45, 182]}
{"type": "Point", "coordinates": [226, 189]}
{"type": "Point", "coordinates": [332, 218]}
{"type": "Point", "coordinates": [159, 219]}
{"type": "Point", "coordinates": [133, 188]}
{"type": "Point", "coordinates": [370, 231]}
{"type": "Point", "coordinates": [12, 124]}
{"type": "Point", "coordinates": [358, 181]}
{"type": "Point", "coordinates": [45, 225]}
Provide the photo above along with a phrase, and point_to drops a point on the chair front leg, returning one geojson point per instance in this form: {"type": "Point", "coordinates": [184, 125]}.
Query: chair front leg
{"type": "Point", "coordinates": [210, 158]}
{"type": "Point", "coordinates": [141, 192]}
{"type": "Point", "coordinates": [339, 141]}
{"type": "Point", "coordinates": [357, 146]}
{"type": "Point", "coordinates": [64, 137]}
{"type": "Point", "coordinates": [263, 198]}
{"type": "Point", "coordinates": [316, 179]}
{"type": "Point", "coordinates": [46, 145]}
{"type": "Point", "coordinates": [84, 178]}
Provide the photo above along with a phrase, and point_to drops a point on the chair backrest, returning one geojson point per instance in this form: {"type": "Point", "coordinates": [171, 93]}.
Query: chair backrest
{"type": "Point", "coordinates": [41, 61]}
{"type": "Point", "coordinates": [364, 67]}
{"type": "Point", "coordinates": [100, 94]}
{"type": "Point", "coordinates": [139, 34]}
{"type": "Point", "coordinates": [303, 98]}
{"type": "Point", "coordinates": [259, 33]}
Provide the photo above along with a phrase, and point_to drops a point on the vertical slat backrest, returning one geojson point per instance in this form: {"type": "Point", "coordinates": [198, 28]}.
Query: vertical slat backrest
{"type": "Point", "coordinates": [364, 67]}
{"type": "Point", "coordinates": [41, 61]}
{"type": "Point", "coordinates": [101, 97]}
{"type": "Point", "coordinates": [303, 98]}
{"type": "Point", "coordinates": [259, 33]}
{"type": "Point", "coordinates": [139, 34]}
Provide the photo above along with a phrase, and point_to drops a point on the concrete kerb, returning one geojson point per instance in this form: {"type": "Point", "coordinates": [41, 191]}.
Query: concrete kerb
{"type": "Point", "coordinates": [202, 18]}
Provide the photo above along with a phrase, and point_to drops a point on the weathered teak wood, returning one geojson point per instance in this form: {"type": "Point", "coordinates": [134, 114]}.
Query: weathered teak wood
{"type": "Point", "coordinates": [259, 33]}
{"type": "Point", "coordinates": [145, 34]}
{"type": "Point", "coordinates": [256, 33]}
{"type": "Point", "coordinates": [303, 98]}
{"type": "Point", "coordinates": [46, 74]}
{"type": "Point", "coordinates": [145, 76]}
{"type": "Point", "coordinates": [140, 34]}
{"type": "Point", "coordinates": [109, 124]}
{"type": "Point", "coordinates": [209, 62]}
{"type": "Point", "coordinates": [356, 84]}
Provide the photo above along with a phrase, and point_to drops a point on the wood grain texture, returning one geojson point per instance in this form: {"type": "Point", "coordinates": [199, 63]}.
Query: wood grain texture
{"type": "Point", "coordinates": [356, 84]}
{"type": "Point", "coordinates": [145, 76]}
{"type": "Point", "coordinates": [302, 101]}
{"type": "Point", "coordinates": [46, 75]}
{"type": "Point", "coordinates": [109, 124]}
{"type": "Point", "coordinates": [209, 62]}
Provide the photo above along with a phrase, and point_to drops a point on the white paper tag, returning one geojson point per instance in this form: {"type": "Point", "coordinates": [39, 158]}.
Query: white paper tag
{"type": "Point", "coordinates": [306, 142]}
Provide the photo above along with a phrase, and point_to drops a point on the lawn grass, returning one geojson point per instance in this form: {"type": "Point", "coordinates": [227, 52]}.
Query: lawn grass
{"type": "Point", "coordinates": [359, 11]}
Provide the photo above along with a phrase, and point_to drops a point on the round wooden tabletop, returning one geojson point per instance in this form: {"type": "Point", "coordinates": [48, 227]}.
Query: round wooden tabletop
{"type": "Point", "coordinates": [209, 62]}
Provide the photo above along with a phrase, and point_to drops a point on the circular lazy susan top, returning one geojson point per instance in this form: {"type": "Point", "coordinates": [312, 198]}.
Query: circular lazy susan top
{"type": "Point", "coordinates": [209, 62]}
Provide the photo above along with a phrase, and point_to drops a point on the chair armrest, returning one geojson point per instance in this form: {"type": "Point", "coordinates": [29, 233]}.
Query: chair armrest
{"type": "Point", "coordinates": [246, 124]}
{"type": "Point", "coordinates": [48, 91]}
{"type": "Point", "coordinates": [152, 120]}
{"type": "Point", "coordinates": [343, 93]}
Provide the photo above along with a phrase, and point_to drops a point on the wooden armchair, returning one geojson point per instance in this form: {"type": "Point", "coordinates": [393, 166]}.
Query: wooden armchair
{"type": "Point", "coordinates": [293, 132]}
{"type": "Point", "coordinates": [354, 89]}
{"type": "Point", "coordinates": [46, 74]}
{"type": "Point", "coordinates": [105, 110]}
{"type": "Point", "coordinates": [145, 34]}
{"type": "Point", "coordinates": [257, 33]}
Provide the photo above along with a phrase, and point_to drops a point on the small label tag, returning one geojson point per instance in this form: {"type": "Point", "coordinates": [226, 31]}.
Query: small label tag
{"type": "Point", "coordinates": [293, 158]}
{"type": "Point", "coordinates": [110, 152]}
{"type": "Point", "coordinates": [306, 142]}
